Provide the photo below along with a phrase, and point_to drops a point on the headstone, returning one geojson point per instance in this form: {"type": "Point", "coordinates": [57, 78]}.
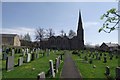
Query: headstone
{"type": "Point", "coordinates": [107, 71]}
{"type": "Point", "coordinates": [90, 61]}
{"type": "Point", "coordinates": [13, 52]}
{"type": "Point", "coordinates": [56, 65]}
{"type": "Point", "coordinates": [33, 56]}
{"type": "Point", "coordinates": [4, 56]}
{"type": "Point", "coordinates": [10, 63]}
{"type": "Point", "coordinates": [93, 56]}
{"type": "Point", "coordinates": [51, 68]}
{"type": "Point", "coordinates": [61, 56]}
{"type": "Point", "coordinates": [28, 57]}
{"type": "Point", "coordinates": [41, 76]}
{"type": "Point", "coordinates": [37, 54]}
{"type": "Point", "coordinates": [118, 73]}
{"type": "Point", "coordinates": [105, 59]}
{"type": "Point", "coordinates": [20, 61]}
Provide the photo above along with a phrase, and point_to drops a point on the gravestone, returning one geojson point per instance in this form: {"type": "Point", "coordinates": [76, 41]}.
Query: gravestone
{"type": "Point", "coordinates": [93, 56]}
{"type": "Point", "coordinates": [118, 73]}
{"type": "Point", "coordinates": [90, 61]}
{"type": "Point", "coordinates": [56, 65]}
{"type": "Point", "coordinates": [28, 57]}
{"type": "Point", "coordinates": [37, 54]}
{"type": "Point", "coordinates": [61, 56]}
{"type": "Point", "coordinates": [4, 56]}
{"type": "Point", "coordinates": [13, 52]}
{"type": "Point", "coordinates": [51, 68]}
{"type": "Point", "coordinates": [33, 56]}
{"type": "Point", "coordinates": [105, 59]}
{"type": "Point", "coordinates": [10, 63]}
{"type": "Point", "coordinates": [20, 61]}
{"type": "Point", "coordinates": [107, 70]}
{"type": "Point", "coordinates": [41, 76]}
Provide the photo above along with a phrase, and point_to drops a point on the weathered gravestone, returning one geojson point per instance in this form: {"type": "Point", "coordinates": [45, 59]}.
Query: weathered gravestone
{"type": "Point", "coordinates": [4, 56]}
{"type": "Point", "coordinates": [41, 76]}
{"type": "Point", "coordinates": [13, 52]}
{"type": "Point", "coordinates": [37, 54]}
{"type": "Point", "coordinates": [20, 61]}
{"type": "Point", "coordinates": [33, 56]}
{"type": "Point", "coordinates": [105, 59]}
{"type": "Point", "coordinates": [28, 58]}
{"type": "Point", "coordinates": [107, 70]}
{"type": "Point", "coordinates": [51, 68]}
{"type": "Point", "coordinates": [10, 63]}
{"type": "Point", "coordinates": [90, 61]}
{"type": "Point", "coordinates": [118, 73]}
{"type": "Point", "coordinates": [56, 65]}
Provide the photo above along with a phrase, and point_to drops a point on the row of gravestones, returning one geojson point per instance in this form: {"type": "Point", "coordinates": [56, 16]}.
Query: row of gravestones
{"type": "Point", "coordinates": [98, 57]}
{"type": "Point", "coordinates": [53, 68]}
{"type": "Point", "coordinates": [117, 71]}
{"type": "Point", "coordinates": [29, 57]}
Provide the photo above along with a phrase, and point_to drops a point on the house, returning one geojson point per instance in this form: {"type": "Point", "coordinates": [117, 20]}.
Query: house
{"type": "Point", "coordinates": [10, 39]}
{"type": "Point", "coordinates": [64, 42]}
{"type": "Point", "coordinates": [109, 46]}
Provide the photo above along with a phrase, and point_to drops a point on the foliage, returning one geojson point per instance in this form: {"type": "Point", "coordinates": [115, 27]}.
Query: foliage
{"type": "Point", "coordinates": [112, 19]}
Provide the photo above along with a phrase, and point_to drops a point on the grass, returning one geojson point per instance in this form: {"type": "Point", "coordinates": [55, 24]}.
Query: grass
{"type": "Point", "coordinates": [26, 70]}
{"type": "Point", "coordinates": [87, 70]}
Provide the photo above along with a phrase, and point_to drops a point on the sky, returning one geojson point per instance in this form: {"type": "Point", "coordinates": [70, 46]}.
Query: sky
{"type": "Point", "coordinates": [25, 17]}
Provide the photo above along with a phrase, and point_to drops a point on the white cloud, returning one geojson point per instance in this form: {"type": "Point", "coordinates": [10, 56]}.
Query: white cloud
{"type": "Point", "coordinates": [91, 24]}
{"type": "Point", "coordinates": [19, 31]}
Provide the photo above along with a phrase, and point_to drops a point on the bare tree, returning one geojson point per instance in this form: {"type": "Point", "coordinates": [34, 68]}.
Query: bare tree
{"type": "Point", "coordinates": [71, 34]}
{"type": "Point", "coordinates": [50, 32]}
{"type": "Point", "coordinates": [27, 37]}
{"type": "Point", "coordinates": [62, 33]}
{"type": "Point", "coordinates": [39, 34]}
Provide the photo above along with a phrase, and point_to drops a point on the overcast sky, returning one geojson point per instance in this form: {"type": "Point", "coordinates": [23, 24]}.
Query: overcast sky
{"type": "Point", "coordinates": [25, 17]}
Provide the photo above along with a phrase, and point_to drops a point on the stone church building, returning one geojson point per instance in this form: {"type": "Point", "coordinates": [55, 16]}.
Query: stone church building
{"type": "Point", "coordinates": [65, 43]}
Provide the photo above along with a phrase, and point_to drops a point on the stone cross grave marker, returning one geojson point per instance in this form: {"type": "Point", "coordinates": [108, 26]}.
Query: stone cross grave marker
{"type": "Point", "coordinates": [20, 61]}
{"type": "Point", "coordinates": [51, 68]}
{"type": "Point", "coordinates": [41, 76]}
{"type": "Point", "coordinates": [10, 63]}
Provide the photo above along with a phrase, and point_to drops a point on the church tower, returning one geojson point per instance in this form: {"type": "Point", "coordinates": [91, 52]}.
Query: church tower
{"type": "Point", "coordinates": [80, 33]}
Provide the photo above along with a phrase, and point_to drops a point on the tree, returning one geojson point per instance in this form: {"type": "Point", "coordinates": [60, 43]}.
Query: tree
{"type": "Point", "coordinates": [71, 34]}
{"type": "Point", "coordinates": [50, 32]}
{"type": "Point", "coordinates": [62, 33]}
{"type": "Point", "coordinates": [112, 19]}
{"type": "Point", "coordinates": [27, 37]}
{"type": "Point", "coordinates": [39, 34]}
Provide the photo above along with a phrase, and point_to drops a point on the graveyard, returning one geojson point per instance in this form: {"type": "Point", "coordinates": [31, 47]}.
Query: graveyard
{"type": "Point", "coordinates": [31, 63]}
{"type": "Point", "coordinates": [22, 68]}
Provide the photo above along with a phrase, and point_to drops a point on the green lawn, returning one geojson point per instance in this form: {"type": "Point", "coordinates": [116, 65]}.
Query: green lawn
{"type": "Point", "coordinates": [26, 70]}
{"type": "Point", "coordinates": [87, 70]}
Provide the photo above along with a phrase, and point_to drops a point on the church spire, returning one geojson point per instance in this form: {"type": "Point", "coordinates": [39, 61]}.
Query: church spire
{"type": "Point", "coordinates": [80, 21]}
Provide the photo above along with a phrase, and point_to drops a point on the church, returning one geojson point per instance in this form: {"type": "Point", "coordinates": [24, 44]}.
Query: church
{"type": "Point", "coordinates": [65, 43]}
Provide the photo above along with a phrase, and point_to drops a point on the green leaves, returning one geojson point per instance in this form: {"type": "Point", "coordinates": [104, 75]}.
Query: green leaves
{"type": "Point", "coordinates": [111, 20]}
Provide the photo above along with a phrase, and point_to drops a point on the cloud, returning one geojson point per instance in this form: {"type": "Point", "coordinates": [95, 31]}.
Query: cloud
{"type": "Point", "coordinates": [91, 24]}
{"type": "Point", "coordinates": [19, 31]}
